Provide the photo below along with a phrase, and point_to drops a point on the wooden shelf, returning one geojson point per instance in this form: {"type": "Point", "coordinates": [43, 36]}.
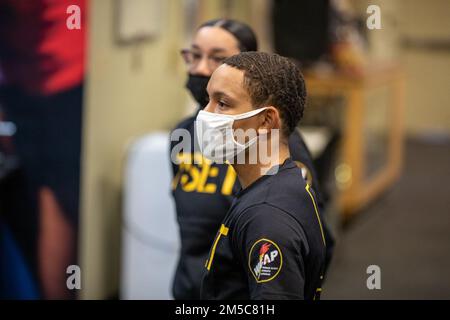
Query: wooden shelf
{"type": "Point", "coordinates": [359, 191]}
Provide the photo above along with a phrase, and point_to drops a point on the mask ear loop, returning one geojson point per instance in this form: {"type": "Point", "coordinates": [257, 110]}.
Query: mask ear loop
{"type": "Point", "coordinates": [249, 114]}
{"type": "Point", "coordinates": [246, 116]}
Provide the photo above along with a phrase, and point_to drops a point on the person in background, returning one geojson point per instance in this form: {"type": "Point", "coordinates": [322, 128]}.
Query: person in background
{"type": "Point", "coordinates": [41, 91]}
{"type": "Point", "coordinates": [203, 192]}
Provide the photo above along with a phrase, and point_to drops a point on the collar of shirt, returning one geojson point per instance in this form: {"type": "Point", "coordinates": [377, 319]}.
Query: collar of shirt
{"type": "Point", "coordinates": [287, 164]}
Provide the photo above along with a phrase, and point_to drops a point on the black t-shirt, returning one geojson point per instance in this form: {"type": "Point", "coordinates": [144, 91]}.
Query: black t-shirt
{"type": "Point", "coordinates": [203, 194]}
{"type": "Point", "coordinates": [271, 244]}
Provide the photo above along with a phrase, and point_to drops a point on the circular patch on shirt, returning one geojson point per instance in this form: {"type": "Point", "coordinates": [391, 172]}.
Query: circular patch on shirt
{"type": "Point", "coordinates": [265, 260]}
{"type": "Point", "coordinates": [305, 172]}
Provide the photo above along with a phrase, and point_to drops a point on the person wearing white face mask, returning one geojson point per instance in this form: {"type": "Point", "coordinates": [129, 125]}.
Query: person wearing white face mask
{"type": "Point", "coordinates": [271, 243]}
{"type": "Point", "coordinates": [217, 137]}
{"type": "Point", "coordinates": [203, 190]}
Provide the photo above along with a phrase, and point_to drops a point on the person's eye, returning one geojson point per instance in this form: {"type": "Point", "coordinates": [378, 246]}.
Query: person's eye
{"type": "Point", "coordinates": [218, 60]}
{"type": "Point", "coordinates": [196, 56]}
{"type": "Point", "coordinates": [222, 104]}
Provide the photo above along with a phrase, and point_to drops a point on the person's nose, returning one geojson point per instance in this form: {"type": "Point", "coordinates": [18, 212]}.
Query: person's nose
{"type": "Point", "coordinates": [202, 68]}
{"type": "Point", "coordinates": [209, 107]}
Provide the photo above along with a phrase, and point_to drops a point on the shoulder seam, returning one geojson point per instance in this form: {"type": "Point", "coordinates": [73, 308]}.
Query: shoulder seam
{"type": "Point", "coordinates": [270, 205]}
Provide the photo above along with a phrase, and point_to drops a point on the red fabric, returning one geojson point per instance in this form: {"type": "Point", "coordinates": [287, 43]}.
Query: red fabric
{"type": "Point", "coordinates": [37, 50]}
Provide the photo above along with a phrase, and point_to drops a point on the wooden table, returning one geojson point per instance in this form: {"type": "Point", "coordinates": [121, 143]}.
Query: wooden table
{"type": "Point", "coordinates": [355, 190]}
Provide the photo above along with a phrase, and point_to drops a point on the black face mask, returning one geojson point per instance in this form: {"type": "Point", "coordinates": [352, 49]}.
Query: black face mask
{"type": "Point", "coordinates": [197, 86]}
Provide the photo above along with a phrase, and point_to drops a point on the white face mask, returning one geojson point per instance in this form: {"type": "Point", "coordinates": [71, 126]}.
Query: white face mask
{"type": "Point", "coordinates": [216, 137]}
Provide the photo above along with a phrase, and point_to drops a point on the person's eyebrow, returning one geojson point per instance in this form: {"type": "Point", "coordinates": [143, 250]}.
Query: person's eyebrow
{"type": "Point", "coordinates": [222, 95]}
{"type": "Point", "coordinates": [218, 50]}
{"type": "Point", "coordinates": [213, 50]}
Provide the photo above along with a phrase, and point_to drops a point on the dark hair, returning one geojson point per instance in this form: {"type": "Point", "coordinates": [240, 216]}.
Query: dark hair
{"type": "Point", "coordinates": [241, 31]}
{"type": "Point", "coordinates": [271, 79]}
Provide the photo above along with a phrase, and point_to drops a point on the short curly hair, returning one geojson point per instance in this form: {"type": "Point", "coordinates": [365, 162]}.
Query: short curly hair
{"type": "Point", "coordinates": [271, 79]}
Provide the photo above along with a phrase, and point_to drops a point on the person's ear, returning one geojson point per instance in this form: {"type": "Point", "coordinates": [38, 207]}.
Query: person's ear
{"type": "Point", "coordinates": [271, 120]}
